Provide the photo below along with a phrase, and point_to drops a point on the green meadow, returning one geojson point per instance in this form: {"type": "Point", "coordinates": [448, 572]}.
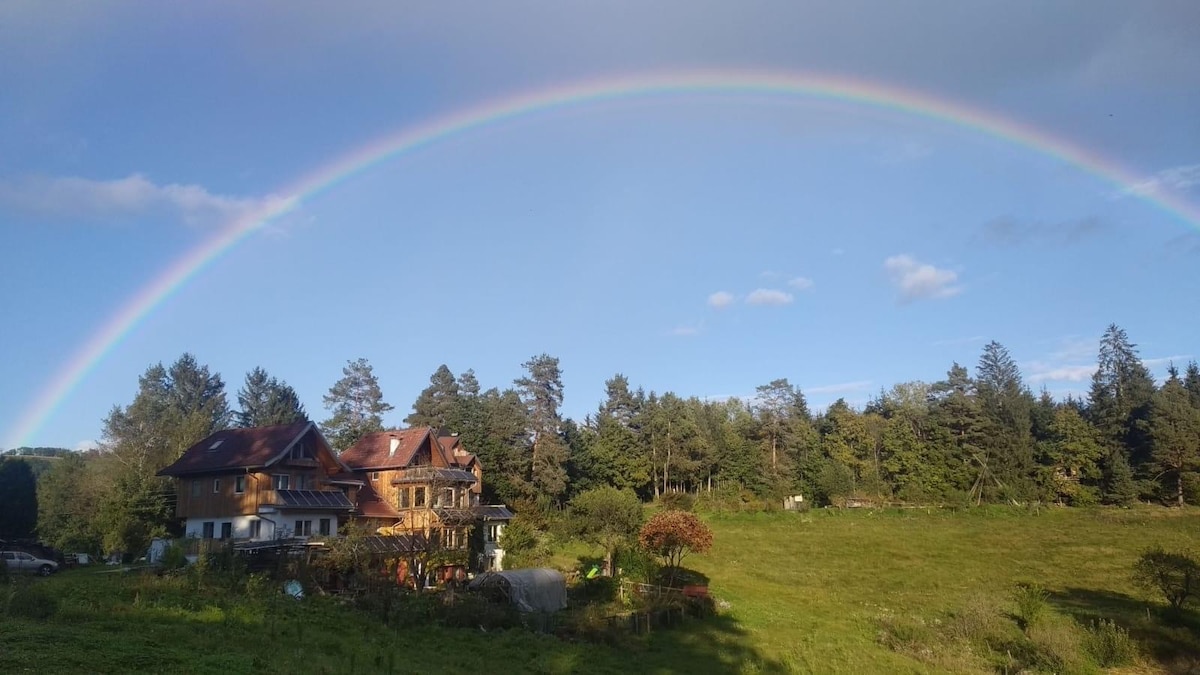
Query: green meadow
{"type": "Point", "coordinates": [824, 592]}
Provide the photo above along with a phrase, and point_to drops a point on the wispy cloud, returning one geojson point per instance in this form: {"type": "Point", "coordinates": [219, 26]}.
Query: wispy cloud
{"type": "Point", "coordinates": [801, 283]}
{"type": "Point", "coordinates": [721, 299]}
{"type": "Point", "coordinates": [1009, 231]}
{"type": "Point", "coordinates": [769, 296]}
{"type": "Point", "coordinates": [920, 281]}
{"type": "Point", "coordinates": [1177, 359]}
{"type": "Point", "coordinates": [1044, 372]}
{"type": "Point", "coordinates": [686, 330]}
{"type": "Point", "coordinates": [840, 388]}
{"type": "Point", "coordinates": [72, 198]}
{"type": "Point", "coordinates": [1174, 179]}
{"type": "Point", "coordinates": [85, 445]}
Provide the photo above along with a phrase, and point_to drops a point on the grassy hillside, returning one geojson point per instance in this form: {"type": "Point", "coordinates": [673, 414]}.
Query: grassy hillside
{"type": "Point", "coordinates": [806, 592]}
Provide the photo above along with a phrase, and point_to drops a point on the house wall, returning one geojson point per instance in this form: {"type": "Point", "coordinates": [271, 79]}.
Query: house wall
{"type": "Point", "coordinates": [259, 490]}
{"type": "Point", "coordinates": [240, 525]}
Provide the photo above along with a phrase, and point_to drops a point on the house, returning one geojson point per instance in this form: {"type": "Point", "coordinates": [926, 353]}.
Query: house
{"type": "Point", "coordinates": [284, 481]}
{"type": "Point", "coordinates": [433, 484]}
{"type": "Point", "coordinates": [263, 483]}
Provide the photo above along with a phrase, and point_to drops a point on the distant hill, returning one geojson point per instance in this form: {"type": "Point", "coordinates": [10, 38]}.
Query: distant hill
{"type": "Point", "coordinates": [26, 451]}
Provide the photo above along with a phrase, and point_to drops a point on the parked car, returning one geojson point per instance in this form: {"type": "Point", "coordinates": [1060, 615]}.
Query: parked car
{"type": "Point", "coordinates": [20, 561]}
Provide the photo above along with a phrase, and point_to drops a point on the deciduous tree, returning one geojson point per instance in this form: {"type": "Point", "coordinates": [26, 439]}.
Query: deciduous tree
{"type": "Point", "coordinates": [672, 535]}
{"type": "Point", "coordinates": [18, 499]}
{"type": "Point", "coordinates": [606, 517]}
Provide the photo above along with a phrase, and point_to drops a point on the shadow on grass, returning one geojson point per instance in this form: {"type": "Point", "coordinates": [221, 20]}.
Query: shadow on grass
{"type": "Point", "coordinates": [1171, 638]}
{"type": "Point", "coordinates": [716, 644]}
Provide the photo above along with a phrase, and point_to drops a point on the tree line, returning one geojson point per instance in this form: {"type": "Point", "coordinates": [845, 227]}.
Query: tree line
{"type": "Point", "coordinates": [978, 437]}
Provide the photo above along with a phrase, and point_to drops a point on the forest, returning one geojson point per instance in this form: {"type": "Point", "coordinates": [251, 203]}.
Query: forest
{"type": "Point", "coordinates": [972, 437]}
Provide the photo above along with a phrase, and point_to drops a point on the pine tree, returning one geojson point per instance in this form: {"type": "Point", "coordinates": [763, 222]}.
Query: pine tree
{"type": "Point", "coordinates": [612, 455]}
{"type": "Point", "coordinates": [436, 404]}
{"type": "Point", "coordinates": [1175, 433]}
{"type": "Point", "coordinates": [266, 401]}
{"type": "Point", "coordinates": [958, 430]}
{"type": "Point", "coordinates": [782, 414]}
{"type": "Point", "coordinates": [542, 393]}
{"type": "Point", "coordinates": [357, 406]}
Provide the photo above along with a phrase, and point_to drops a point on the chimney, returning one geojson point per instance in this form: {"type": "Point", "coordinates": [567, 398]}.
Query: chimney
{"type": "Point", "coordinates": [392, 445]}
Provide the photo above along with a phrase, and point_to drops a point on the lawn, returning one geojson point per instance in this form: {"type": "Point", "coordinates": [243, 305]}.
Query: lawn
{"type": "Point", "coordinates": [804, 592]}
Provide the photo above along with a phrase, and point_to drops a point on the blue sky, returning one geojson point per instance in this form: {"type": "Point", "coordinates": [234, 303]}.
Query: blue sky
{"type": "Point", "coordinates": [704, 244]}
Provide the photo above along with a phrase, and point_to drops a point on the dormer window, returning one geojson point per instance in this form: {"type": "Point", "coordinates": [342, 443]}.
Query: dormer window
{"type": "Point", "coordinates": [299, 451]}
{"type": "Point", "coordinates": [374, 475]}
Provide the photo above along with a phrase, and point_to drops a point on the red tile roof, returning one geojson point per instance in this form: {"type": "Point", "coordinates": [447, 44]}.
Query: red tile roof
{"type": "Point", "coordinates": [371, 505]}
{"type": "Point", "coordinates": [238, 449]}
{"type": "Point", "coordinates": [374, 451]}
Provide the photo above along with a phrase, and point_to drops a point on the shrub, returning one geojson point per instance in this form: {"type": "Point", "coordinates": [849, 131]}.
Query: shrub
{"type": "Point", "coordinates": [1110, 644]}
{"type": "Point", "coordinates": [671, 535]}
{"type": "Point", "coordinates": [1058, 646]}
{"type": "Point", "coordinates": [1175, 575]}
{"type": "Point", "coordinates": [174, 558]}
{"type": "Point", "coordinates": [637, 564]}
{"type": "Point", "coordinates": [979, 622]}
{"type": "Point", "coordinates": [677, 501]}
{"type": "Point", "coordinates": [1031, 604]}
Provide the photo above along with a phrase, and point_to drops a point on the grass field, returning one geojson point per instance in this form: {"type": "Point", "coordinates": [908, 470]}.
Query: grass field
{"type": "Point", "coordinates": [812, 592]}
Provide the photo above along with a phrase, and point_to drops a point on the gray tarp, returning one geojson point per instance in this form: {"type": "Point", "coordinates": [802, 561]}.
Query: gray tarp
{"type": "Point", "coordinates": [530, 590]}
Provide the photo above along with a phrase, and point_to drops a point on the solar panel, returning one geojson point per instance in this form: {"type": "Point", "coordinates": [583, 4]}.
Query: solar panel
{"type": "Point", "coordinates": [314, 499]}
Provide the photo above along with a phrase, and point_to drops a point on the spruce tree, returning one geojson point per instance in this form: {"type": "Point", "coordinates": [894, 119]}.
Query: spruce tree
{"type": "Point", "coordinates": [1006, 405]}
{"type": "Point", "coordinates": [1175, 434]}
{"type": "Point", "coordinates": [435, 406]}
{"type": "Point", "coordinates": [1119, 400]}
{"type": "Point", "coordinates": [18, 499]}
{"type": "Point", "coordinates": [266, 401]}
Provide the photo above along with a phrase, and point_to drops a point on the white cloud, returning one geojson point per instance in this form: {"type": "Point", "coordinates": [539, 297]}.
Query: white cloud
{"type": "Point", "coordinates": [918, 281]}
{"type": "Point", "coordinates": [721, 299]}
{"type": "Point", "coordinates": [840, 388]}
{"type": "Point", "coordinates": [74, 198]}
{"type": "Point", "coordinates": [685, 330]}
{"type": "Point", "coordinates": [768, 296]}
{"type": "Point", "coordinates": [1178, 359]}
{"type": "Point", "coordinates": [802, 284]}
{"type": "Point", "coordinates": [1176, 178]}
{"type": "Point", "coordinates": [1042, 372]}
{"type": "Point", "coordinates": [85, 445]}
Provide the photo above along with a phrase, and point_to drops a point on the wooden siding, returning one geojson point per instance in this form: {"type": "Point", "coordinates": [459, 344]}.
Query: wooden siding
{"type": "Point", "coordinates": [259, 490]}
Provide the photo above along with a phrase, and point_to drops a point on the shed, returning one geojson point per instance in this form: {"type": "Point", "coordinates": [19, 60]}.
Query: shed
{"type": "Point", "coordinates": [529, 590]}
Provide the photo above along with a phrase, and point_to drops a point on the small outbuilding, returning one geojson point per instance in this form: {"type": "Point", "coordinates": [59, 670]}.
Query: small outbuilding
{"type": "Point", "coordinates": [529, 590]}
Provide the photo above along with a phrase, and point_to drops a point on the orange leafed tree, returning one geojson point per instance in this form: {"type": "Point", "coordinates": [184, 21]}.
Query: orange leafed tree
{"type": "Point", "coordinates": [671, 535]}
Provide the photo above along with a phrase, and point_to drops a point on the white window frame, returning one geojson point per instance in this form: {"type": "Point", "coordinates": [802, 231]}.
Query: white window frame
{"type": "Point", "coordinates": [216, 486]}
{"type": "Point", "coordinates": [255, 529]}
{"type": "Point", "coordinates": [275, 480]}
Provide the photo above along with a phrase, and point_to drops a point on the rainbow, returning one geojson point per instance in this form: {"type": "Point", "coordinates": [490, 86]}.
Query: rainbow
{"type": "Point", "coordinates": [735, 83]}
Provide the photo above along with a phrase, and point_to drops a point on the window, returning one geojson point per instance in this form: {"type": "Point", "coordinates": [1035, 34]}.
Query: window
{"type": "Point", "coordinates": [305, 482]}
{"type": "Point", "coordinates": [281, 480]}
{"type": "Point", "coordinates": [226, 530]}
{"type": "Point", "coordinates": [255, 529]}
{"type": "Point", "coordinates": [195, 488]}
{"type": "Point", "coordinates": [444, 497]}
{"type": "Point", "coordinates": [207, 530]}
{"type": "Point", "coordinates": [299, 451]}
{"type": "Point", "coordinates": [323, 526]}
{"type": "Point", "coordinates": [374, 475]}
{"type": "Point", "coordinates": [405, 500]}
{"type": "Point", "coordinates": [303, 528]}
{"type": "Point", "coordinates": [216, 445]}
{"type": "Point", "coordinates": [9, 555]}
{"type": "Point", "coordinates": [419, 496]}
{"type": "Point", "coordinates": [239, 484]}
{"type": "Point", "coordinates": [216, 486]}
{"type": "Point", "coordinates": [492, 534]}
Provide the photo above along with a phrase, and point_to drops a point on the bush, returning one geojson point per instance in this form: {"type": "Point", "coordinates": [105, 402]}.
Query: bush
{"type": "Point", "coordinates": [1110, 644]}
{"type": "Point", "coordinates": [1058, 646]}
{"type": "Point", "coordinates": [1031, 602]}
{"type": "Point", "coordinates": [473, 611]}
{"type": "Point", "coordinates": [174, 558]}
{"type": "Point", "coordinates": [676, 501]}
{"type": "Point", "coordinates": [637, 564]}
{"type": "Point", "coordinates": [979, 622]}
{"type": "Point", "coordinates": [1175, 575]}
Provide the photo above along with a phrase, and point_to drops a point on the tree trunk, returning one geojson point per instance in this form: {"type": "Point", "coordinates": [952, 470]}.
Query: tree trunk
{"type": "Point", "coordinates": [1179, 487]}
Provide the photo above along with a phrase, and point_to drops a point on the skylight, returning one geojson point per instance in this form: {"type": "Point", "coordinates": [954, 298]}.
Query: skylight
{"type": "Point", "coordinates": [216, 445]}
